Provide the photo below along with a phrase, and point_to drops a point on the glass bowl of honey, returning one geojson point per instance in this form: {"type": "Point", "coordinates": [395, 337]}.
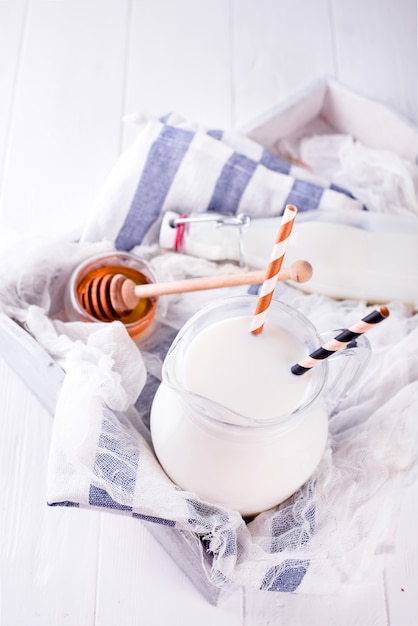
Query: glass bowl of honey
{"type": "Point", "coordinates": [79, 303]}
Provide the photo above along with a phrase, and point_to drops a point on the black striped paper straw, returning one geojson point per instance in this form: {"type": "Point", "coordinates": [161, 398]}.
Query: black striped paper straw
{"type": "Point", "coordinates": [341, 340]}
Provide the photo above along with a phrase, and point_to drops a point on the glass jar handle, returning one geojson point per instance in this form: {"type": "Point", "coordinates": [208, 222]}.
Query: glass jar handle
{"type": "Point", "coordinates": [345, 367]}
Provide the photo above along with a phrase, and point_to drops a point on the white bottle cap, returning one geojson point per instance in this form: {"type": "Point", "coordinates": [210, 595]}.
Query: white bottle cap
{"type": "Point", "coordinates": [167, 231]}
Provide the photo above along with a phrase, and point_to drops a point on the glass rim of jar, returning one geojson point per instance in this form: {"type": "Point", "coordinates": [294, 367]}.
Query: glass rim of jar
{"type": "Point", "coordinates": [239, 421]}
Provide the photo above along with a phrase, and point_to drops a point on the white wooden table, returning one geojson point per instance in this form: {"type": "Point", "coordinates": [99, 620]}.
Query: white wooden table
{"type": "Point", "coordinates": [69, 72]}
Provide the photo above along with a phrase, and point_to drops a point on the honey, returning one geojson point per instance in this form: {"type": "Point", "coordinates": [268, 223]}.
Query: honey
{"type": "Point", "coordinates": [138, 320]}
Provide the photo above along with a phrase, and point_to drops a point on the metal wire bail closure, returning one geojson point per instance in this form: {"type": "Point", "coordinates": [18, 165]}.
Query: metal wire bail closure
{"type": "Point", "coordinates": [180, 224]}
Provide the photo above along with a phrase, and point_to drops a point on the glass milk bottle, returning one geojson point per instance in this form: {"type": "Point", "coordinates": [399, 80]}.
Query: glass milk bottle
{"type": "Point", "coordinates": [230, 422]}
{"type": "Point", "coordinates": [317, 236]}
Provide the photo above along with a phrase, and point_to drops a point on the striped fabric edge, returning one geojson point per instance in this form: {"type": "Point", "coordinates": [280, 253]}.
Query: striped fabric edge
{"type": "Point", "coordinates": [171, 154]}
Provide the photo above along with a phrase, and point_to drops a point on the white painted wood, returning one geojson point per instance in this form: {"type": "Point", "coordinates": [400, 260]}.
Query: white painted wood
{"type": "Point", "coordinates": [65, 124]}
{"type": "Point", "coordinates": [138, 584]}
{"type": "Point", "coordinates": [188, 555]}
{"type": "Point", "coordinates": [12, 21]}
{"type": "Point", "coordinates": [179, 60]}
{"type": "Point", "coordinates": [278, 49]}
{"type": "Point", "coordinates": [401, 574]}
{"type": "Point", "coordinates": [376, 50]}
{"type": "Point", "coordinates": [353, 607]}
{"type": "Point", "coordinates": [48, 556]}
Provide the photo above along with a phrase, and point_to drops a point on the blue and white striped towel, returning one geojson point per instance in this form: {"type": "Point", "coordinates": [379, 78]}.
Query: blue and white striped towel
{"type": "Point", "coordinates": [179, 166]}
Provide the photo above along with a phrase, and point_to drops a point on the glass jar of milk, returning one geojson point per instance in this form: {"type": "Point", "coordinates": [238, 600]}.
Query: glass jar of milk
{"type": "Point", "coordinates": [230, 422]}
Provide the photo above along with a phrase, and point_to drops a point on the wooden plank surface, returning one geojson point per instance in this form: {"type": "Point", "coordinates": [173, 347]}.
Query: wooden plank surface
{"type": "Point", "coordinates": [376, 50]}
{"type": "Point", "coordinates": [137, 583]}
{"type": "Point", "coordinates": [401, 573]}
{"type": "Point", "coordinates": [296, 34]}
{"type": "Point", "coordinates": [179, 60]}
{"type": "Point", "coordinates": [69, 71]}
{"type": "Point", "coordinates": [363, 606]}
{"type": "Point", "coordinates": [64, 129]}
{"type": "Point", "coordinates": [12, 21]}
{"type": "Point", "coordinates": [49, 556]}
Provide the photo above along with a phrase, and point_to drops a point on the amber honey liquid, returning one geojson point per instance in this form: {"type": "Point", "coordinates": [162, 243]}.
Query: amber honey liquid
{"type": "Point", "coordinates": [144, 311]}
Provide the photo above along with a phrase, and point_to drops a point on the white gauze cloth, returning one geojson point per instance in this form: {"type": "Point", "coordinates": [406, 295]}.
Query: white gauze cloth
{"type": "Point", "coordinates": [101, 456]}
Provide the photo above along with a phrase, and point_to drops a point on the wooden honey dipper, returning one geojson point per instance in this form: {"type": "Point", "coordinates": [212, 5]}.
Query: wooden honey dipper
{"type": "Point", "coordinates": [114, 295]}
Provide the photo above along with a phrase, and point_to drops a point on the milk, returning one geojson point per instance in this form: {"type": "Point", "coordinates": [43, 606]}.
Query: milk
{"type": "Point", "coordinates": [354, 254]}
{"type": "Point", "coordinates": [231, 432]}
{"type": "Point", "coordinates": [351, 262]}
{"type": "Point", "coordinates": [249, 374]}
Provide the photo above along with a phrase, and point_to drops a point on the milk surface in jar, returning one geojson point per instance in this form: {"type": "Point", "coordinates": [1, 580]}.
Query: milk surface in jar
{"type": "Point", "coordinates": [249, 374]}
{"type": "Point", "coordinates": [237, 427]}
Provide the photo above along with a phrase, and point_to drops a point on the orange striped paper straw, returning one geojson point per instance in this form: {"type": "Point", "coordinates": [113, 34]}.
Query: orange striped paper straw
{"type": "Point", "coordinates": [273, 269]}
